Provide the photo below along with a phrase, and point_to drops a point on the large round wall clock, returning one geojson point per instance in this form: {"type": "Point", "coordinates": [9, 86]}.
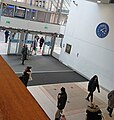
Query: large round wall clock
{"type": "Point", "coordinates": [102, 30]}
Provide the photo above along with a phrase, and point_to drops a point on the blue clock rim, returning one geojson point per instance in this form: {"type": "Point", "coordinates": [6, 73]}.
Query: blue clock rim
{"type": "Point", "coordinates": [102, 36]}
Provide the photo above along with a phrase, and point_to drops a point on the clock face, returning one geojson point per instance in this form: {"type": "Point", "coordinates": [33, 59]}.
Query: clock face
{"type": "Point", "coordinates": [102, 30]}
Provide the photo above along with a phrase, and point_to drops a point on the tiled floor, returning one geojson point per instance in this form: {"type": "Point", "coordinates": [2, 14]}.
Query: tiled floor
{"type": "Point", "coordinates": [76, 103]}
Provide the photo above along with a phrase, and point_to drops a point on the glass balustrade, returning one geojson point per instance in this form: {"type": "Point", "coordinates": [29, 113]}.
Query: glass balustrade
{"type": "Point", "coordinates": [53, 10]}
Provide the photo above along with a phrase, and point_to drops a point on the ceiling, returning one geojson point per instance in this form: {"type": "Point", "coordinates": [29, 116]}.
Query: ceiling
{"type": "Point", "coordinates": [103, 1]}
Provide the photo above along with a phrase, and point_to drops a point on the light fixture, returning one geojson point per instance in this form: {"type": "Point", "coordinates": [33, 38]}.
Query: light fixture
{"type": "Point", "coordinates": [75, 3]}
{"type": "Point", "coordinates": [98, 1]}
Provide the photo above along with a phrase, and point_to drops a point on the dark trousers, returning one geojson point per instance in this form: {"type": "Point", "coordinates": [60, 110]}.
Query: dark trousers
{"type": "Point", "coordinates": [90, 95]}
{"type": "Point", "coordinates": [6, 39]}
{"type": "Point", "coordinates": [110, 110]}
{"type": "Point", "coordinates": [23, 58]}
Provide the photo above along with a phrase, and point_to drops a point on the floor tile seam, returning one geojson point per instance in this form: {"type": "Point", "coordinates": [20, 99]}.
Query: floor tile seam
{"type": "Point", "coordinates": [36, 92]}
{"type": "Point", "coordinates": [56, 71]}
{"type": "Point", "coordinates": [44, 106]}
{"type": "Point", "coordinates": [76, 111]}
{"type": "Point", "coordinates": [46, 93]}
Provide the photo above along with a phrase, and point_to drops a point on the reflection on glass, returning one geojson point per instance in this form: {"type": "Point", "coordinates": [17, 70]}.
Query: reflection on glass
{"type": "Point", "coordinates": [21, 0]}
{"type": "Point", "coordinates": [8, 10]}
{"type": "Point", "coordinates": [57, 46]}
{"type": "Point", "coordinates": [31, 14]}
{"type": "Point", "coordinates": [28, 1]}
{"type": "Point", "coordinates": [20, 12]}
{"type": "Point", "coordinates": [41, 16]}
{"type": "Point", "coordinates": [28, 16]}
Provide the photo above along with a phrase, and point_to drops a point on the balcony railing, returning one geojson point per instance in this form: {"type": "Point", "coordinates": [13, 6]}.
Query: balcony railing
{"type": "Point", "coordinates": [31, 13]}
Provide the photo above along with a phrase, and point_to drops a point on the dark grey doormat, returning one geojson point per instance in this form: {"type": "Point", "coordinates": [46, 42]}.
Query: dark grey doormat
{"type": "Point", "coordinates": [55, 77]}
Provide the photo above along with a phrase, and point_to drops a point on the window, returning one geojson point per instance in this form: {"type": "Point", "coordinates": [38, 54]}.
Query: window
{"type": "Point", "coordinates": [8, 10]}
{"type": "Point", "coordinates": [20, 12]}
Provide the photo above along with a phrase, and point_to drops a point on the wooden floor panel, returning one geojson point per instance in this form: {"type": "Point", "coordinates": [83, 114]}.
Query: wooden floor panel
{"type": "Point", "coordinates": [16, 102]}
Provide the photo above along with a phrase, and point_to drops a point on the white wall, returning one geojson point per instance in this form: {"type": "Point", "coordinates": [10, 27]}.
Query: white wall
{"type": "Point", "coordinates": [96, 55]}
{"type": "Point", "coordinates": [29, 25]}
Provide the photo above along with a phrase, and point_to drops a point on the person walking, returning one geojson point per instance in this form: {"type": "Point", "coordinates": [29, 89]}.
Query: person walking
{"type": "Point", "coordinates": [24, 52]}
{"type": "Point", "coordinates": [110, 102]}
{"type": "Point", "coordinates": [26, 76]}
{"type": "Point", "coordinates": [93, 84]}
{"type": "Point", "coordinates": [6, 36]}
{"type": "Point", "coordinates": [62, 98]}
{"type": "Point", "coordinates": [34, 45]}
{"type": "Point", "coordinates": [41, 42]}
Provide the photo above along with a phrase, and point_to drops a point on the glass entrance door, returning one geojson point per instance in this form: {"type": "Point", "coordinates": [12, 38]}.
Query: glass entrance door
{"type": "Point", "coordinates": [14, 43]}
{"type": "Point", "coordinates": [47, 46]}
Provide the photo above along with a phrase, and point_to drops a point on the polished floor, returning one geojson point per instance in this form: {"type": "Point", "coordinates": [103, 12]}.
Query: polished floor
{"type": "Point", "coordinates": [75, 109]}
{"type": "Point", "coordinates": [46, 95]}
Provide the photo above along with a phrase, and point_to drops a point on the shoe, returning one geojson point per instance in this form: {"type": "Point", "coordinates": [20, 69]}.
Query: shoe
{"type": "Point", "coordinates": [87, 99]}
{"type": "Point", "coordinates": [108, 109]}
{"type": "Point", "coordinates": [110, 114]}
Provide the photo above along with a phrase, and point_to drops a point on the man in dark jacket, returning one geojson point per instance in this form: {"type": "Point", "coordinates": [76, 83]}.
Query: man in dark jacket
{"type": "Point", "coordinates": [6, 36]}
{"type": "Point", "coordinates": [24, 53]}
{"type": "Point", "coordinates": [93, 84]}
{"type": "Point", "coordinates": [26, 76]}
{"type": "Point", "coordinates": [62, 98]}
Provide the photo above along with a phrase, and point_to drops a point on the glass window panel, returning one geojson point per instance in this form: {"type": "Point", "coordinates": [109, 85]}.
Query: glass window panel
{"type": "Point", "coordinates": [28, 16]}
{"type": "Point", "coordinates": [47, 17]}
{"type": "Point", "coordinates": [21, 0]}
{"type": "Point", "coordinates": [28, 2]}
{"type": "Point", "coordinates": [8, 10]}
{"type": "Point", "coordinates": [41, 16]}
{"type": "Point", "coordinates": [33, 14]}
{"type": "Point", "coordinates": [20, 12]}
{"type": "Point", "coordinates": [57, 46]}
{"type": "Point", "coordinates": [53, 8]}
{"type": "Point", "coordinates": [53, 18]}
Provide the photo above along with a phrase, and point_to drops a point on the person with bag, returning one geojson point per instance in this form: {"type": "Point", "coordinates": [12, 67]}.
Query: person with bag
{"type": "Point", "coordinates": [62, 98]}
{"type": "Point", "coordinates": [110, 102]}
{"type": "Point", "coordinates": [26, 75]}
{"type": "Point", "coordinates": [93, 84]}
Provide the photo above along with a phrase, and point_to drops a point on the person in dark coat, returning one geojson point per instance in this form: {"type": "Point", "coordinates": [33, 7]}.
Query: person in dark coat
{"type": "Point", "coordinates": [35, 44]}
{"type": "Point", "coordinates": [6, 36]}
{"type": "Point", "coordinates": [62, 98]}
{"type": "Point", "coordinates": [41, 42]}
{"type": "Point", "coordinates": [93, 84]}
{"type": "Point", "coordinates": [24, 52]}
{"type": "Point", "coordinates": [26, 75]}
{"type": "Point", "coordinates": [110, 102]}
{"type": "Point", "coordinates": [93, 112]}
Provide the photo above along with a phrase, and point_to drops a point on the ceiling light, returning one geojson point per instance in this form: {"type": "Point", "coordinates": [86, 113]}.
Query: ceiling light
{"type": "Point", "coordinates": [98, 1]}
{"type": "Point", "coordinates": [75, 3]}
